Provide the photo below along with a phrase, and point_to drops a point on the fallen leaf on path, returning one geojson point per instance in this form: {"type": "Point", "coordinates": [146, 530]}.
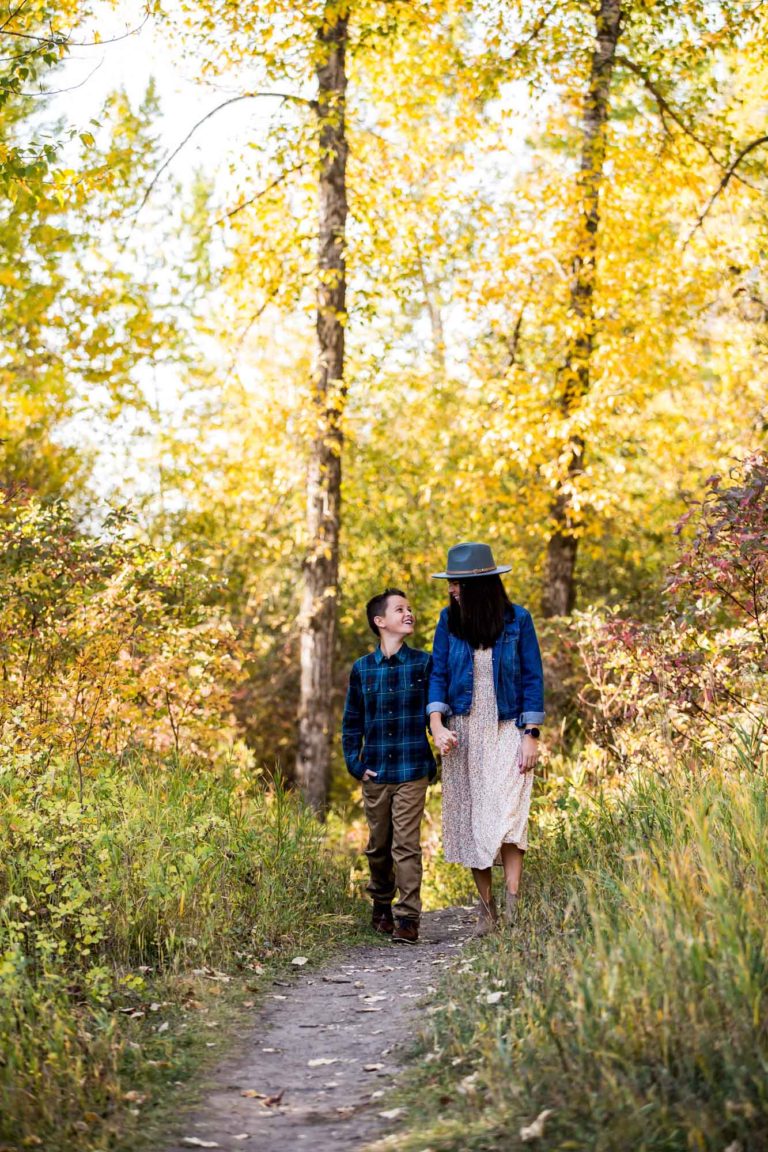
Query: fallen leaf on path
{"type": "Point", "coordinates": [276, 997]}
{"type": "Point", "coordinates": [372, 1067]}
{"type": "Point", "coordinates": [368, 1008]}
{"type": "Point", "coordinates": [252, 1094]}
{"type": "Point", "coordinates": [193, 1142]}
{"type": "Point", "coordinates": [321, 1060]}
{"type": "Point", "coordinates": [375, 996]}
{"type": "Point", "coordinates": [535, 1130]}
{"type": "Point", "coordinates": [466, 1087]}
{"type": "Point", "coordinates": [392, 1113]}
{"type": "Point", "coordinates": [337, 979]}
{"type": "Point", "coordinates": [212, 974]}
{"type": "Point", "coordinates": [299, 960]}
{"type": "Point", "coordinates": [273, 1101]}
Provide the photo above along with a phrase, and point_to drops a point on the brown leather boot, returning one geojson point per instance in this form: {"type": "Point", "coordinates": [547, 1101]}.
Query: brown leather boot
{"type": "Point", "coordinates": [487, 918]}
{"type": "Point", "coordinates": [510, 909]}
{"type": "Point", "coordinates": [406, 931]}
{"type": "Point", "coordinates": [382, 920]}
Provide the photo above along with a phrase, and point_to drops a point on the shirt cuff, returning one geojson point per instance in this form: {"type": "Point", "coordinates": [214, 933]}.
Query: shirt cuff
{"type": "Point", "coordinates": [531, 718]}
{"type": "Point", "coordinates": [438, 706]}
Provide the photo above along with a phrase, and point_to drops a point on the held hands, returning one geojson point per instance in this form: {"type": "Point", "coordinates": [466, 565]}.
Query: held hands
{"type": "Point", "coordinates": [529, 754]}
{"type": "Point", "coordinates": [444, 738]}
{"type": "Point", "coordinates": [369, 775]}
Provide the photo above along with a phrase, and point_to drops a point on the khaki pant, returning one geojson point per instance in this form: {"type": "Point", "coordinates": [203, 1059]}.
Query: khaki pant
{"type": "Point", "coordinates": [394, 813]}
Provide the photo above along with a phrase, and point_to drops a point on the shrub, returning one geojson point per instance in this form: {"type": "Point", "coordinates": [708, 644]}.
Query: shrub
{"type": "Point", "coordinates": [701, 673]}
{"type": "Point", "coordinates": [106, 644]}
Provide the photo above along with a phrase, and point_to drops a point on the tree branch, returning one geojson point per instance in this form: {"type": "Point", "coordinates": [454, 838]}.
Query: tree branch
{"type": "Point", "coordinates": [283, 96]}
{"type": "Point", "coordinates": [537, 28]}
{"type": "Point", "coordinates": [61, 91]}
{"type": "Point", "coordinates": [513, 343]}
{"type": "Point", "coordinates": [252, 199]}
{"type": "Point", "coordinates": [665, 108]}
{"type": "Point", "coordinates": [12, 15]}
{"type": "Point", "coordinates": [243, 334]}
{"type": "Point", "coordinates": [59, 38]}
{"type": "Point", "coordinates": [730, 172]}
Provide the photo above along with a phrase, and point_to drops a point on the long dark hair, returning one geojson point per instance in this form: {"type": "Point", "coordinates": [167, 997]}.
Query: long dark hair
{"type": "Point", "coordinates": [479, 618]}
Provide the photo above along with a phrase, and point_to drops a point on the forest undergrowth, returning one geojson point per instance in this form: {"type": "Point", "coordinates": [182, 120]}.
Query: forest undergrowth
{"type": "Point", "coordinates": [627, 1008]}
{"type": "Point", "coordinates": [135, 927]}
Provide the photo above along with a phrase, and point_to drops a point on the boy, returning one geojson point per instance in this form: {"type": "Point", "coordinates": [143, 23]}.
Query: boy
{"type": "Point", "coordinates": [384, 737]}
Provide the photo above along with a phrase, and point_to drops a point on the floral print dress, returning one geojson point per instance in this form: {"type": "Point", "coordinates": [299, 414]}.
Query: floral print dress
{"type": "Point", "coordinates": [486, 798]}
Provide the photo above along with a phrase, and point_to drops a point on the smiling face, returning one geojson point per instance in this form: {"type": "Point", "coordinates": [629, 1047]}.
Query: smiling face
{"type": "Point", "coordinates": [454, 590]}
{"type": "Point", "coordinates": [397, 619]}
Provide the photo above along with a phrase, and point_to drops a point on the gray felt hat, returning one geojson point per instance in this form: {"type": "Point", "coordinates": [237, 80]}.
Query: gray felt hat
{"type": "Point", "coordinates": [468, 560]}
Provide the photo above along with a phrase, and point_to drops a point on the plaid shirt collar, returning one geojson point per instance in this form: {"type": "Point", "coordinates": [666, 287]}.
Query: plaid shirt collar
{"type": "Point", "coordinates": [400, 655]}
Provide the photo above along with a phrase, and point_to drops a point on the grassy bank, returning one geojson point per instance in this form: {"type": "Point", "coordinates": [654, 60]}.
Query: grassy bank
{"type": "Point", "coordinates": [630, 1005]}
{"type": "Point", "coordinates": [117, 916]}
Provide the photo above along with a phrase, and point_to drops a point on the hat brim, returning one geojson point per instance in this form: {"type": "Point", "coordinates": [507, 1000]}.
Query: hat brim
{"type": "Point", "coordinates": [471, 575]}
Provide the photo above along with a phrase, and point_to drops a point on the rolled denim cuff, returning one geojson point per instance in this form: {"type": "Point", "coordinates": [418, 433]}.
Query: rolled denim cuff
{"type": "Point", "coordinates": [531, 718]}
{"type": "Point", "coordinates": [438, 706]}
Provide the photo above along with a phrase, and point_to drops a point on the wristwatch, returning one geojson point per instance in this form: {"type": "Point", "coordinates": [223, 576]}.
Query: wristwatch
{"type": "Point", "coordinates": [533, 732]}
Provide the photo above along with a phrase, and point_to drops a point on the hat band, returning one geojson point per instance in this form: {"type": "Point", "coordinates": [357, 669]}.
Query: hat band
{"type": "Point", "coordinates": [472, 571]}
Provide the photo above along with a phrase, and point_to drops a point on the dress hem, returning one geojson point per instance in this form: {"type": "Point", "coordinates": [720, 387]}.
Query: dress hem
{"type": "Point", "coordinates": [495, 862]}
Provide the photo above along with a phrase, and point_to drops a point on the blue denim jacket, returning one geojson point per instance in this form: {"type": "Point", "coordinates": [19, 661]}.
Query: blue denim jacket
{"type": "Point", "coordinates": [518, 677]}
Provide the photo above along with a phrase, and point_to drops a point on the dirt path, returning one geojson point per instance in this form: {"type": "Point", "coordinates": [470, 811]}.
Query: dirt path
{"type": "Point", "coordinates": [327, 1046]}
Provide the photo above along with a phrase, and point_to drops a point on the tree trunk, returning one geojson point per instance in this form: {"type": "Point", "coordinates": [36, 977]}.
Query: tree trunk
{"type": "Point", "coordinates": [559, 591]}
{"type": "Point", "coordinates": [321, 564]}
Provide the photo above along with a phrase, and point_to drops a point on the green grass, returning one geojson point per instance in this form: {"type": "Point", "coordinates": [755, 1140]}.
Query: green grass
{"type": "Point", "coordinates": [634, 991]}
{"type": "Point", "coordinates": [116, 917]}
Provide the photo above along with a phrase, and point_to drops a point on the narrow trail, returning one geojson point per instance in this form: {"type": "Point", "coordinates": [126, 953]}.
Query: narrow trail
{"type": "Point", "coordinates": [314, 1068]}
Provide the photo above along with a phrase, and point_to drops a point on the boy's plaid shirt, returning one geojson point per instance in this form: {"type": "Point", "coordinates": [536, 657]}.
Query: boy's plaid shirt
{"type": "Point", "coordinates": [385, 723]}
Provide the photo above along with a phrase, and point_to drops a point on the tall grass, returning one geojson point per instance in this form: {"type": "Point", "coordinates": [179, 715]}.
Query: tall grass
{"type": "Point", "coordinates": [162, 869]}
{"type": "Point", "coordinates": [634, 991]}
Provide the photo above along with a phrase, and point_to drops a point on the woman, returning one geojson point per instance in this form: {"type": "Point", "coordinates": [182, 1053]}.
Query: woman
{"type": "Point", "coordinates": [487, 682]}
